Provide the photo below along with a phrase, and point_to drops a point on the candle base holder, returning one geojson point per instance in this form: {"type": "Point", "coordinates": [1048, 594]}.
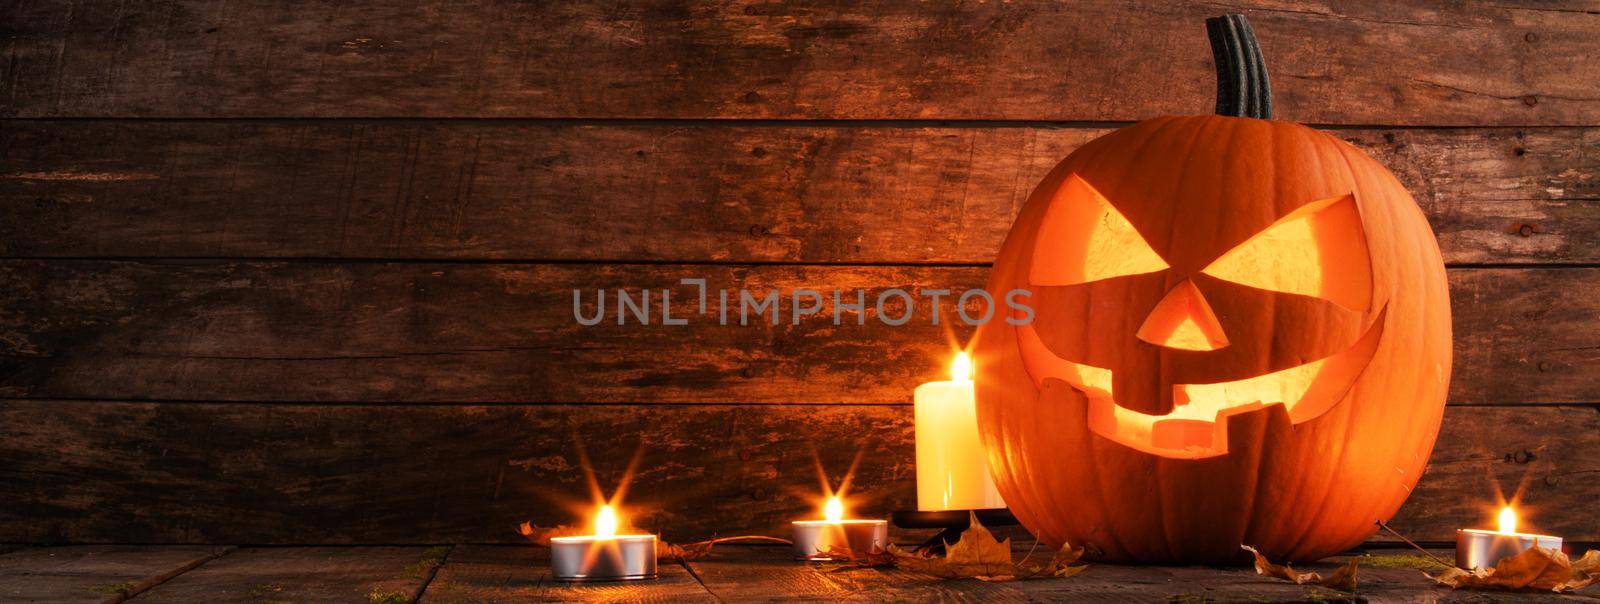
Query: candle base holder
{"type": "Point", "coordinates": [599, 559]}
{"type": "Point", "coordinates": [1477, 549]}
{"type": "Point", "coordinates": [951, 523]}
{"type": "Point", "coordinates": [819, 540]}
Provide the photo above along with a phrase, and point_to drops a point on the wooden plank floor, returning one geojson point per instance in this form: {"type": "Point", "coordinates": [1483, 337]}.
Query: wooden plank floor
{"type": "Point", "coordinates": [499, 573]}
{"type": "Point", "coordinates": [94, 573]}
{"type": "Point", "coordinates": [506, 573]}
{"type": "Point", "coordinates": [305, 574]}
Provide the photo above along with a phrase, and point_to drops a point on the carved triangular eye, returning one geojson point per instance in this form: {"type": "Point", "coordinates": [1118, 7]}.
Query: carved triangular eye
{"type": "Point", "coordinates": [1083, 238]}
{"type": "Point", "coordinates": [1320, 250]}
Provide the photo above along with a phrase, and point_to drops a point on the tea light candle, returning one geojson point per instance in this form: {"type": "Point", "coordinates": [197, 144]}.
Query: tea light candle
{"type": "Point", "coordinates": [1484, 549]}
{"type": "Point", "coordinates": [605, 555]}
{"type": "Point", "coordinates": [952, 465]}
{"type": "Point", "coordinates": [813, 539]}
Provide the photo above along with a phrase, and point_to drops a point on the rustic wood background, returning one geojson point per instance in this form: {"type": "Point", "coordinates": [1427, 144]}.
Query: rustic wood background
{"type": "Point", "coordinates": [276, 273]}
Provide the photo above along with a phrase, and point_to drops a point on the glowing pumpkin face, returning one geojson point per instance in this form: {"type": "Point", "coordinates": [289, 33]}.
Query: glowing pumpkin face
{"type": "Point", "coordinates": [1241, 336]}
{"type": "Point", "coordinates": [1312, 262]}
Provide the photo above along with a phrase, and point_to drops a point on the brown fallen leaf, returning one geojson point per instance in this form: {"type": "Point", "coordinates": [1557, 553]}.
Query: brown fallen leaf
{"type": "Point", "coordinates": [1539, 568]}
{"type": "Point", "coordinates": [672, 551]}
{"type": "Point", "coordinates": [978, 555]}
{"type": "Point", "coordinates": [1061, 563]}
{"type": "Point", "coordinates": [850, 560]}
{"type": "Point", "coordinates": [1343, 579]}
{"type": "Point", "coordinates": [541, 535]}
{"type": "Point", "coordinates": [1585, 571]}
{"type": "Point", "coordinates": [699, 549]}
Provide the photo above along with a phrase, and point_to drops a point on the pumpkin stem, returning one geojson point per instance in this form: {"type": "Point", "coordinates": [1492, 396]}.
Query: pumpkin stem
{"type": "Point", "coordinates": [1242, 87]}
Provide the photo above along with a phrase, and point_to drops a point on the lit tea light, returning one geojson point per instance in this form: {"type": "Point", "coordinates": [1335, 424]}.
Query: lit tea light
{"type": "Point", "coordinates": [814, 539]}
{"type": "Point", "coordinates": [605, 555]}
{"type": "Point", "coordinates": [1483, 549]}
{"type": "Point", "coordinates": [952, 465]}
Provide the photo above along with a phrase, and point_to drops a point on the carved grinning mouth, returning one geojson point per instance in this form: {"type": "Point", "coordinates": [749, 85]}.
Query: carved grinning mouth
{"type": "Point", "coordinates": [1197, 427]}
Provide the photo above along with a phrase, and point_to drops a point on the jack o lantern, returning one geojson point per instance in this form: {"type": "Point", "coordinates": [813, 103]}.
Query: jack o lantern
{"type": "Point", "coordinates": [1241, 336]}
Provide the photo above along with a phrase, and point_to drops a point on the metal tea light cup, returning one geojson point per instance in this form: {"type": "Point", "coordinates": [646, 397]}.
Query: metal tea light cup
{"type": "Point", "coordinates": [1484, 549]}
{"type": "Point", "coordinates": [813, 539]}
{"type": "Point", "coordinates": [589, 558]}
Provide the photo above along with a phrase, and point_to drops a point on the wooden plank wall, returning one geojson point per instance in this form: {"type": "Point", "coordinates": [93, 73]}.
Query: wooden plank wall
{"type": "Point", "coordinates": [276, 273]}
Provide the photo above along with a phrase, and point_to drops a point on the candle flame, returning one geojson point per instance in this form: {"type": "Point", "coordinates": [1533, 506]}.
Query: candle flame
{"type": "Point", "coordinates": [605, 523]}
{"type": "Point", "coordinates": [833, 510]}
{"type": "Point", "coordinates": [1508, 521]}
{"type": "Point", "coordinates": [961, 368]}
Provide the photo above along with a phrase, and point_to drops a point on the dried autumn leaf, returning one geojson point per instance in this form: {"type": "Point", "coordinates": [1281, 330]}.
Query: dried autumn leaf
{"type": "Point", "coordinates": [854, 561]}
{"type": "Point", "coordinates": [541, 535]}
{"type": "Point", "coordinates": [1538, 568]}
{"type": "Point", "coordinates": [978, 555]}
{"type": "Point", "coordinates": [1060, 565]}
{"type": "Point", "coordinates": [1343, 579]}
{"type": "Point", "coordinates": [699, 549]}
{"type": "Point", "coordinates": [664, 551]}
{"type": "Point", "coordinates": [1585, 571]}
{"type": "Point", "coordinates": [670, 551]}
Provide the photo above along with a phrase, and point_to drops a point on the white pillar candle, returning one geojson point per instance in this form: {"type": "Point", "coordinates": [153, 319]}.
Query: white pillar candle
{"type": "Point", "coordinates": [952, 466]}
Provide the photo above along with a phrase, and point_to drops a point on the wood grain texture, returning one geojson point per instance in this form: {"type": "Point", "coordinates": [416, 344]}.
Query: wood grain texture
{"type": "Point", "coordinates": [450, 333]}
{"type": "Point", "coordinates": [256, 473]}
{"type": "Point", "coordinates": [475, 333]}
{"type": "Point", "coordinates": [724, 193]}
{"type": "Point", "coordinates": [481, 574]}
{"type": "Point", "coordinates": [1432, 62]}
{"type": "Point", "coordinates": [164, 472]}
{"type": "Point", "coordinates": [751, 574]}
{"type": "Point", "coordinates": [94, 573]}
{"type": "Point", "coordinates": [309, 574]}
{"type": "Point", "coordinates": [1540, 472]}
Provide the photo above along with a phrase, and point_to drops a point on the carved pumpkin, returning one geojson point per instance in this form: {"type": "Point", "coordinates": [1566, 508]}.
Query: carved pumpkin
{"type": "Point", "coordinates": [1241, 336]}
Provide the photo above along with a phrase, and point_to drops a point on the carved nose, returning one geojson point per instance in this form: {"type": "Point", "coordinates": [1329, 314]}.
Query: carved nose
{"type": "Point", "coordinates": [1183, 320]}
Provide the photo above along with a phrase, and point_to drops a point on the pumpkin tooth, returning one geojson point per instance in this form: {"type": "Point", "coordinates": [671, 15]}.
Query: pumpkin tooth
{"type": "Point", "coordinates": [1041, 364]}
{"type": "Point", "coordinates": [1196, 426]}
